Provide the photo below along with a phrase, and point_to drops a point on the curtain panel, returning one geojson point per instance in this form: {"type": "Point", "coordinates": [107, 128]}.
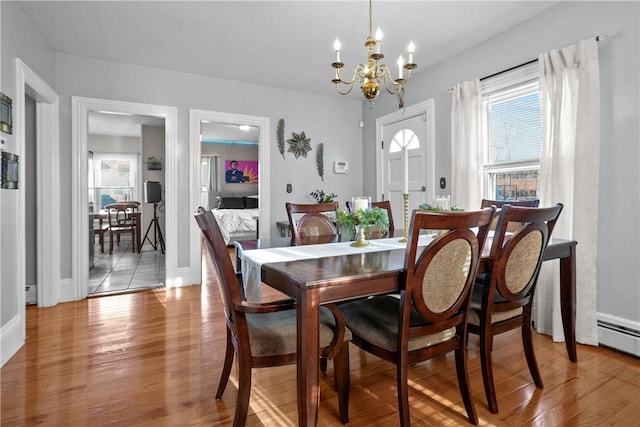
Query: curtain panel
{"type": "Point", "coordinates": [466, 145]}
{"type": "Point", "coordinates": [569, 173]}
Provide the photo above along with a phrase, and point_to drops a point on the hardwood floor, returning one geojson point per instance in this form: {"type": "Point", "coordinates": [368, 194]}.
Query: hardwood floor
{"type": "Point", "coordinates": [154, 358]}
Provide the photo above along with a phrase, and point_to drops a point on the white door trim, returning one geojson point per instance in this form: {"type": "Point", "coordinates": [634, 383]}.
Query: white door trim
{"type": "Point", "coordinates": [80, 108]}
{"type": "Point", "coordinates": [48, 189]}
{"type": "Point", "coordinates": [195, 118]}
{"type": "Point", "coordinates": [426, 107]}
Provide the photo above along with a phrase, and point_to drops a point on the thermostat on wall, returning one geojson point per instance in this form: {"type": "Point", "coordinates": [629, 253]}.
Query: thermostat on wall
{"type": "Point", "coordinates": [341, 167]}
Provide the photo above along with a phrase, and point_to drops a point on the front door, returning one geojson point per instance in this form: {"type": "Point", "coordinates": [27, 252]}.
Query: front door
{"type": "Point", "coordinates": [404, 164]}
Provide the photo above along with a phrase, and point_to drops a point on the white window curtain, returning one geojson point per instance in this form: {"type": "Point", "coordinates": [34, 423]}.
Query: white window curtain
{"type": "Point", "coordinates": [466, 152]}
{"type": "Point", "coordinates": [569, 165]}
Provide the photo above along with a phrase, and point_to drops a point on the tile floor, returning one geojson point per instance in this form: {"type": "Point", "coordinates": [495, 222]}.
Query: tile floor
{"type": "Point", "coordinates": [125, 271]}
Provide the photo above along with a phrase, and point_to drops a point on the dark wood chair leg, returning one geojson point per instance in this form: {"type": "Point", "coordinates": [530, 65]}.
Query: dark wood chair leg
{"type": "Point", "coordinates": [463, 384]}
{"type": "Point", "coordinates": [402, 369]}
{"type": "Point", "coordinates": [226, 370]}
{"type": "Point", "coordinates": [527, 342]}
{"type": "Point", "coordinates": [244, 391]}
{"type": "Point", "coordinates": [343, 383]}
{"type": "Point", "coordinates": [486, 343]}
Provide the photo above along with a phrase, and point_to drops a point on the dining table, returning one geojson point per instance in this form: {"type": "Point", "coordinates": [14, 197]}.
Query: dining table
{"type": "Point", "coordinates": [332, 272]}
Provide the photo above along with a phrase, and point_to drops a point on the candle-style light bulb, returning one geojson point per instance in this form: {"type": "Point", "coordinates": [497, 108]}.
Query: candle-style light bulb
{"type": "Point", "coordinates": [378, 39]}
{"type": "Point", "coordinates": [411, 49]}
{"type": "Point", "coordinates": [400, 65]}
{"type": "Point", "coordinates": [336, 47]}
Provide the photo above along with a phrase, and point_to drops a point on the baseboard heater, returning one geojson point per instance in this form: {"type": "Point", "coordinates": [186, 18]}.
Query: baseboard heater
{"type": "Point", "coordinates": [619, 334]}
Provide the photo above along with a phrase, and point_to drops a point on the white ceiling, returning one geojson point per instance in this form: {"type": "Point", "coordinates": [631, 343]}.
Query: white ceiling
{"type": "Point", "coordinates": [285, 44]}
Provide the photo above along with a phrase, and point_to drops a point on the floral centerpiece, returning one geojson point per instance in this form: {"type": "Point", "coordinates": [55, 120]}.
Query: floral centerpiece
{"type": "Point", "coordinates": [322, 197]}
{"type": "Point", "coordinates": [350, 222]}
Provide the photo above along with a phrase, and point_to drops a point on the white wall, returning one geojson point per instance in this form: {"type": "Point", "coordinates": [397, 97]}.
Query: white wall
{"type": "Point", "coordinates": [560, 26]}
{"type": "Point", "coordinates": [333, 121]}
{"type": "Point", "coordinates": [19, 38]}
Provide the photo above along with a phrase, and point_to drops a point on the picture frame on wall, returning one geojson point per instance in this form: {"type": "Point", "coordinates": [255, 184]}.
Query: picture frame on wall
{"type": "Point", "coordinates": [9, 171]}
{"type": "Point", "coordinates": [6, 113]}
{"type": "Point", "coordinates": [241, 171]}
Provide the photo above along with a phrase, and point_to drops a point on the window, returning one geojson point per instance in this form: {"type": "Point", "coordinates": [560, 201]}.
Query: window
{"type": "Point", "coordinates": [115, 178]}
{"type": "Point", "coordinates": [512, 134]}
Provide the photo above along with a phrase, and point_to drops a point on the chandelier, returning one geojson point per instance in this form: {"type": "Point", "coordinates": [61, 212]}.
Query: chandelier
{"type": "Point", "coordinates": [373, 74]}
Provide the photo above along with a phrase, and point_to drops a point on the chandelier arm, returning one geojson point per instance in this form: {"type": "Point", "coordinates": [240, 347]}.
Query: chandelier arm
{"type": "Point", "coordinates": [342, 92]}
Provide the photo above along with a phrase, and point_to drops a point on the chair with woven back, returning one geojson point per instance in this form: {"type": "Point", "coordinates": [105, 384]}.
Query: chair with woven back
{"type": "Point", "coordinates": [312, 222]}
{"type": "Point", "coordinates": [264, 334]}
{"type": "Point", "coordinates": [503, 299]}
{"type": "Point", "coordinates": [529, 203]}
{"type": "Point", "coordinates": [430, 316]}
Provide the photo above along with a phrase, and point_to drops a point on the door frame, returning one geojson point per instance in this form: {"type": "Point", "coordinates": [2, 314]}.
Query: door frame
{"type": "Point", "coordinates": [80, 108]}
{"type": "Point", "coordinates": [195, 118]}
{"type": "Point", "coordinates": [428, 109]}
{"type": "Point", "coordinates": [48, 189]}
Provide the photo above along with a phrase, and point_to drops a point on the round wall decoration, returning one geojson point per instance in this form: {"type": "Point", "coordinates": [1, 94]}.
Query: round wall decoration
{"type": "Point", "coordinates": [299, 144]}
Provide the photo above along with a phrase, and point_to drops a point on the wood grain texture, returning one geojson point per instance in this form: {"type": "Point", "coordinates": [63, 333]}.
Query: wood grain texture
{"type": "Point", "coordinates": [154, 358]}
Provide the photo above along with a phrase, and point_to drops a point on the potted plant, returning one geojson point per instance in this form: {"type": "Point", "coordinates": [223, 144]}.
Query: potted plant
{"type": "Point", "coordinates": [322, 197]}
{"type": "Point", "coordinates": [371, 220]}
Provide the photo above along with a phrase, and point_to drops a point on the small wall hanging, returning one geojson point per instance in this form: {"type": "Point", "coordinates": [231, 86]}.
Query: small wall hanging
{"type": "Point", "coordinates": [320, 160]}
{"type": "Point", "coordinates": [299, 144]}
{"type": "Point", "coordinates": [6, 113]}
{"type": "Point", "coordinates": [280, 136]}
{"type": "Point", "coordinates": [154, 164]}
{"type": "Point", "coordinates": [9, 172]}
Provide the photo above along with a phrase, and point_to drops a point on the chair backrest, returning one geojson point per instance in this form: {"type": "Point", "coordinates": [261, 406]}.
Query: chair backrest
{"type": "Point", "coordinates": [119, 214]}
{"type": "Point", "coordinates": [311, 221]}
{"type": "Point", "coordinates": [438, 280]}
{"type": "Point", "coordinates": [515, 258]}
{"type": "Point", "coordinates": [500, 203]}
{"type": "Point", "coordinates": [228, 284]}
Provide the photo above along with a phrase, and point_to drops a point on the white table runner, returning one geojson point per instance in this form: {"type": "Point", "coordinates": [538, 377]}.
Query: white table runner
{"type": "Point", "coordinates": [253, 259]}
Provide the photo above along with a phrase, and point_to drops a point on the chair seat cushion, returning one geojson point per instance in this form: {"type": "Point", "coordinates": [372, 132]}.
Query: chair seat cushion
{"type": "Point", "coordinates": [275, 333]}
{"type": "Point", "coordinates": [476, 307]}
{"type": "Point", "coordinates": [376, 321]}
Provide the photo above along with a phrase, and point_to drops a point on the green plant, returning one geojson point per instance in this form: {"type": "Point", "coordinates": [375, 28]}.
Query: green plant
{"type": "Point", "coordinates": [428, 207]}
{"type": "Point", "coordinates": [322, 197]}
{"type": "Point", "coordinates": [373, 216]}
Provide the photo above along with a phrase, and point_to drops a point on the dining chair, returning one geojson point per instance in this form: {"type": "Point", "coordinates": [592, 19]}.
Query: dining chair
{"type": "Point", "coordinates": [120, 220]}
{"type": "Point", "coordinates": [430, 316]}
{"type": "Point", "coordinates": [503, 299]}
{"type": "Point", "coordinates": [383, 204]}
{"type": "Point", "coordinates": [485, 203]}
{"type": "Point", "coordinates": [100, 228]}
{"type": "Point", "coordinates": [315, 220]}
{"type": "Point", "coordinates": [264, 334]}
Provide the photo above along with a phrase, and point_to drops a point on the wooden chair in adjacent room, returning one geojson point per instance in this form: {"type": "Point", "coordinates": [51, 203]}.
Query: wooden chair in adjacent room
{"type": "Point", "coordinates": [121, 220]}
{"type": "Point", "coordinates": [430, 317]}
{"type": "Point", "coordinates": [264, 334]}
{"type": "Point", "coordinates": [312, 223]}
{"type": "Point", "coordinates": [503, 299]}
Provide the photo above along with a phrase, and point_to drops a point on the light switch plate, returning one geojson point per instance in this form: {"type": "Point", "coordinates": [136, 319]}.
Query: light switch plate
{"type": "Point", "coordinates": [341, 166]}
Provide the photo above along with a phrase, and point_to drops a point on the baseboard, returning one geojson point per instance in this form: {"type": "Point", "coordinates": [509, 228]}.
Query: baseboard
{"type": "Point", "coordinates": [11, 339]}
{"type": "Point", "coordinates": [31, 293]}
{"type": "Point", "coordinates": [618, 333]}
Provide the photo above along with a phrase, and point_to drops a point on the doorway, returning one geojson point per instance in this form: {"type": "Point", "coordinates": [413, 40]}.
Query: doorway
{"type": "Point", "coordinates": [196, 120]}
{"type": "Point", "coordinates": [121, 150]}
{"type": "Point", "coordinates": [405, 162]}
{"type": "Point", "coordinates": [81, 109]}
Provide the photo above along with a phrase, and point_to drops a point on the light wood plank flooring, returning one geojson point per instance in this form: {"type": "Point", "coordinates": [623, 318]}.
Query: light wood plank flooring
{"type": "Point", "coordinates": [153, 358]}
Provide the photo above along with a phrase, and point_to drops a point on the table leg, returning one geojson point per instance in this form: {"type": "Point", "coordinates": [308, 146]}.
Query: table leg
{"type": "Point", "coordinates": [568, 302]}
{"type": "Point", "coordinates": [308, 324]}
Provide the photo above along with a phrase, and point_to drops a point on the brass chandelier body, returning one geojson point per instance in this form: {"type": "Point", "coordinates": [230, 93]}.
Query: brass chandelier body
{"type": "Point", "coordinates": [373, 74]}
